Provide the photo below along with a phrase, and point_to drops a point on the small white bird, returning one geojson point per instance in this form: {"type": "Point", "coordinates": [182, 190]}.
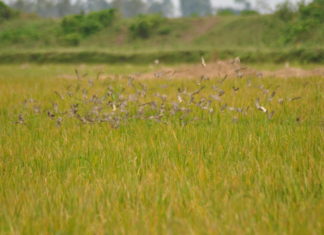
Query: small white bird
{"type": "Point", "coordinates": [180, 99]}
{"type": "Point", "coordinates": [114, 108]}
{"type": "Point", "coordinates": [259, 107]}
{"type": "Point", "coordinates": [203, 62]}
{"type": "Point", "coordinates": [237, 60]}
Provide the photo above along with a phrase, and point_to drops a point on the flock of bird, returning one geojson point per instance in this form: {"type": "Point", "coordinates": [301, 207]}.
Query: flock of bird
{"type": "Point", "coordinates": [108, 102]}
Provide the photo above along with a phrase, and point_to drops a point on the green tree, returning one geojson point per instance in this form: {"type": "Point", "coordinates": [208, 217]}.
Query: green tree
{"type": "Point", "coordinates": [301, 22]}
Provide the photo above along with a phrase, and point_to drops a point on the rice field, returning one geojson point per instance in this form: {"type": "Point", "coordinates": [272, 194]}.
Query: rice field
{"type": "Point", "coordinates": [91, 153]}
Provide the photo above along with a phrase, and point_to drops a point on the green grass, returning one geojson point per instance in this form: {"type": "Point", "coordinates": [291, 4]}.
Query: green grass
{"type": "Point", "coordinates": [212, 175]}
{"type": "Point", "coordinates": [173, 56]}
{"type": "Point", "coordinates": [255, 38]}
{"type": "Point", "coordinates": [29, 32]}
{"type": "Point", "coordinates": [215, 32]}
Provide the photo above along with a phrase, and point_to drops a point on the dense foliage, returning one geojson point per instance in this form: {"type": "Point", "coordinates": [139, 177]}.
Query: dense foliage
{"type": "Point", "coordinates": [145, 25]}
{"type": "Point", "coordinates": [76, 27]}
{"type": "Point", "coordinates": [300, 22]}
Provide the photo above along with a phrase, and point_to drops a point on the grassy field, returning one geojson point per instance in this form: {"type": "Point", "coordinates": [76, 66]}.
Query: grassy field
{"type": "Point", "coordinates": [158, 156]}
{"type": "Point", "coordinates": [302, 56]}
{"type": "Point", "coordinates": [254, 38]}
{"type": "Point", "coordinates": [216, 32]}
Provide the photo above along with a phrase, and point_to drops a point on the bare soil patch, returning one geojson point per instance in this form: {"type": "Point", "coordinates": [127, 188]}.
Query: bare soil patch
{"type": "Point", "coordinates": [220, 69]}
{"type": "Point", "coordinates": [230, 68]}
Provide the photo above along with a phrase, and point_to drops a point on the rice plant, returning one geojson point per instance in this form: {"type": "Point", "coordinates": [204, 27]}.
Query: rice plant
{"type": "Point", "coordinates": [123, 155]}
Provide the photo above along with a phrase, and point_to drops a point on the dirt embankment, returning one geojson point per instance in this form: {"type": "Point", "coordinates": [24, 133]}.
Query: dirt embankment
{"type": "Point", "coordinates": [230, 68]}
{"type": "Point", "coordinates": [220, 69]}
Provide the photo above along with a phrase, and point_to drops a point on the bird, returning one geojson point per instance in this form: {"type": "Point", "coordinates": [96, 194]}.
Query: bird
{"type": "Point", "coordinates": [259, 107]}
{"type": "Point", "coordinates": [203, 62]}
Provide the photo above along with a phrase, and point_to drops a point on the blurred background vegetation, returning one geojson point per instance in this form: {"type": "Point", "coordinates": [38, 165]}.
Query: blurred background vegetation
{"type": "Point", "coordinates": [139, 31]}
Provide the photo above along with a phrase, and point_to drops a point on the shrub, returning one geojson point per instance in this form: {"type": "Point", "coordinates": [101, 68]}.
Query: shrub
{"type": "Point", "coordinates": [285, 11]}
{"type": "Point", "coordinates": [19, 34]}
{"type": "Point", "coordinates": [302, 21]}
{"type": "Point", "coordinates": [164, 30]}
{"type": "Point", "coordinates": [72, 39]}
{"type": "Point", "coordinates": [105, 17]}
{"type": "Point", "coordinates": [314, 11]}
{"type": "Point", "coordinates": [85, 25]}
{"type": "Point", "coordinates": [89, 27]}
{"type": "Point", "coordinates": [144, 26]}
{"type": "Point", "coordinates": [249, 12]}
{"type": "Point", "coordinates": [227, 12]}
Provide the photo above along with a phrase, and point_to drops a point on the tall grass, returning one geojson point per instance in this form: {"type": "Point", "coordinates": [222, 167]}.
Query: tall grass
{"type": "Point", "coordinates": [224, 173]}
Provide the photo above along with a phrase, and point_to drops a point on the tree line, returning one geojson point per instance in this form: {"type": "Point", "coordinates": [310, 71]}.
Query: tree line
{"type": "Point", "coordinates": [128, 8]}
